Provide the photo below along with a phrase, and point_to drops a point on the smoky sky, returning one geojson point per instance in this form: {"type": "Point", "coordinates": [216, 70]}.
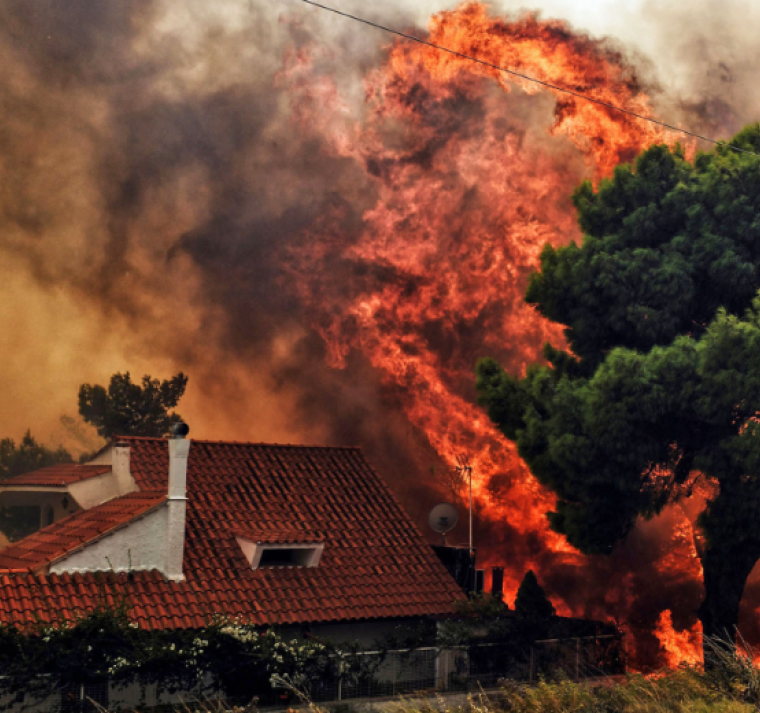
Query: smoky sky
{"type": "Point", "coordinates": [155, 174]}
{"type": "Point", "coordinates": [140, 144]}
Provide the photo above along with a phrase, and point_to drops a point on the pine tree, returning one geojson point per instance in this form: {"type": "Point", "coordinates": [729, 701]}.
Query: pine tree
{"type": "Point", "coordinates": [129, 409]}
{"type": "Point", "coordinates": [658, 383]}
{"type": "Point", "coordinates": [532, 602]}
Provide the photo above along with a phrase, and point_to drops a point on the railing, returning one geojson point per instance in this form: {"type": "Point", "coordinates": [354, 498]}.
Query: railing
{"type": "Point", "coordinates": [389, 673]}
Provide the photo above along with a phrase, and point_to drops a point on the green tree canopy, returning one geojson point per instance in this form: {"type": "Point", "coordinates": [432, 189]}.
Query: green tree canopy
{"type": "Point", "coordinates": [661, 383]}
{"type": "Point", "coordinates": [128, 409]}
{"type": "Point", "coordinates": [28, 455]}
{"type": "Point", "coordinates": [531, 601]}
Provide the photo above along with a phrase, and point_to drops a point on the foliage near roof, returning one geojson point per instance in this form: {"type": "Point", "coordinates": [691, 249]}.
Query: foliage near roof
{"type": "Point", "coordinates": [132, 409]}
{"type": "Point", "coordinates": [659, 390]}
{"type": "Point", "coordinates": [28, 455]}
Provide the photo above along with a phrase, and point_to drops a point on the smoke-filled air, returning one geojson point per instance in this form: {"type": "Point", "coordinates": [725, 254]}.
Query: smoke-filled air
{"type": "Point", "coordinates": [326, 226]}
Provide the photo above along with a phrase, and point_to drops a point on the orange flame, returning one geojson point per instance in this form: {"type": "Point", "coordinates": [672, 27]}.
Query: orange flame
{"type": "Point", "coordinates": [471, 179]}
{"type": "Point", "coordinates": [679, 647]}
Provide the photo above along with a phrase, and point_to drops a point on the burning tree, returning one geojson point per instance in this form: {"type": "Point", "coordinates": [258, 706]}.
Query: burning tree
{"type": "Point", "coordinates": [659, 388]}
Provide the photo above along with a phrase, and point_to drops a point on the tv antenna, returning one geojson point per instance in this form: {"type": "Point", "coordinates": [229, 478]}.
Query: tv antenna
{"type": "Point", "coordinates": [443, 518]}
{"type": "Point", "coordinates": [465, 470]}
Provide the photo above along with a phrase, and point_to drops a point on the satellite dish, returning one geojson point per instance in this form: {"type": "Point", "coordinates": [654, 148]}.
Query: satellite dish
{"type": "Point", "coordinates": [443, 518]}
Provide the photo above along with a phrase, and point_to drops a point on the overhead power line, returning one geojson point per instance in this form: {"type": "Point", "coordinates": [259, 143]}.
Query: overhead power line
{"type": "Point", "coordinates": [528, 78]}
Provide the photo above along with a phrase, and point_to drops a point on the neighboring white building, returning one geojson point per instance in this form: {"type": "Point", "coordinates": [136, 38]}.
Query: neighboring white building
{"type": "Point", "coordinates": [40, 498]}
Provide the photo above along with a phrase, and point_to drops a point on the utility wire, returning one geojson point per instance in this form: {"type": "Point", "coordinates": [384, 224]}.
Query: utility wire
{"type": "Point", "coordinates": [528, 78]}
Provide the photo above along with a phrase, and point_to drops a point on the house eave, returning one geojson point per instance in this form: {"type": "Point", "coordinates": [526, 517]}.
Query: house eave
{"type": "Point", "coordinates": [63, 487]}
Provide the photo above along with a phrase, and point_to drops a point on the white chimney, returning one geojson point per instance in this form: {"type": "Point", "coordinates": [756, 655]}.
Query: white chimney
{"type": "Point", "coordinates": [179, 448]}
{"type": "Point", "coordinates": [125, 483]}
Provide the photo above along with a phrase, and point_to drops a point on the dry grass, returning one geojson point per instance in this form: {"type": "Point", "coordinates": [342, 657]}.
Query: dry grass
{"type": "Point", "coordinates": [677, 692]}
{"type": "Point", "coordinates": [682, 691]}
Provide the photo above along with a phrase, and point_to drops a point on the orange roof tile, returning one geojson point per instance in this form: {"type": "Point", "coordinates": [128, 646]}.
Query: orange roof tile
{"type": "Point", "coordinates": [57, 475]}
{"type": "Point", "coordinates": [273, 493]}
{"type": "Point", "coordinates": [281, 537]}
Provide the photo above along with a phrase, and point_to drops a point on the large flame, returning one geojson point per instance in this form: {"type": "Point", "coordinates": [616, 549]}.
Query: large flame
{"type": "Point", "coordinates": [472, 178]}
{"type": "Point", "coordinates": [679, 647]}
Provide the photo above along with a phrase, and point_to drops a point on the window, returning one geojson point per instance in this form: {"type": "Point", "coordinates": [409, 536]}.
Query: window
{"type": "Point", "coordinates": [285, 557]}
{"type": "Point", "coordinates": [18, 521]}
{"type": "Point", "coordinates": [49, 515]}
{"type": "Point", "coordinates": [261, 554]}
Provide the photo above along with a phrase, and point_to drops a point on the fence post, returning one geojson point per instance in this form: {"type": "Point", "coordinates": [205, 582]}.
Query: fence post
{"type": "Point", "coordinates": [532, 663]}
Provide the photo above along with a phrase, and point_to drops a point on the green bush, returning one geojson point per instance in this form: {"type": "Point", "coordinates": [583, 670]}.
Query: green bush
{"type": "Point", "coordinates": [238, 658]}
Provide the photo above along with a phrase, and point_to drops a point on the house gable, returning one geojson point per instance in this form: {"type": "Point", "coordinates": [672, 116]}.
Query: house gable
{"type": "Point", "coordinates": [135, 546]}
{"type": "Point", "coordinates": [78, 532]}
{"type": "Point", "coordinates": [57, 491]}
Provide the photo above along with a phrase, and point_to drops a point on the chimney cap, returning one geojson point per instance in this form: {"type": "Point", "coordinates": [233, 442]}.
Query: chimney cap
{"type": "Point", "coordinates": [180, 430]}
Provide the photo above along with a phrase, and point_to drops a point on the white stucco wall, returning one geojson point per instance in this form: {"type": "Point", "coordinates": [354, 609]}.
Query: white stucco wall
{"type": "Point", "coordinates": [154, 541]}
{"type": "Point", "coordinates": [142, 544]}
{"type": "Point", "coordinates": [105, 457]}
{"type": "Point", "coordinates": [366, 633]}
{"type": "Point", "coordinates": [101, 488]}
{"type": "Point", "coordinates": [94, 491]}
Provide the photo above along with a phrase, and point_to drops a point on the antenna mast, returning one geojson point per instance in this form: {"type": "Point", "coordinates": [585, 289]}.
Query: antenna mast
{"type": "Point", "coordinates": [464, 468]}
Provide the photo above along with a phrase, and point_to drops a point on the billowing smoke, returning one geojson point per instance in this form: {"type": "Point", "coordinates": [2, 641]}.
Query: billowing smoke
{"type": "Point", "coordinates": [325, 232]}
{"type": "Point", "coordinates": [149, 177]}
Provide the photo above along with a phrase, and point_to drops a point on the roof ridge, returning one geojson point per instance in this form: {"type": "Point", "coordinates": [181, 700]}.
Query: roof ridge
{"type": "Point", "coordinates": [46, 474]}
{"type": "Point", "coordinates": [261, 444]}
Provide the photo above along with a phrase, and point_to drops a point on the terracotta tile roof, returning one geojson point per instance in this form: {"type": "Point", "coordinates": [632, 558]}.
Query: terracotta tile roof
{"type": "Point", "coordinates": [281, 537]}
{"type": "Point", "coordinates": [375, 564]}
{"type": "Point", "coordinates": [52, 542]}
{"type": "Point", "coordinates": [57, 475]}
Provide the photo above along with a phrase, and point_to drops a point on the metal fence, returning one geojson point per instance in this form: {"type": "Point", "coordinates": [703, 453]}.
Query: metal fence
{"type": "Point", "coordinates": [369, 674]}
{"type": "Point", "coordinates": [389, 673]}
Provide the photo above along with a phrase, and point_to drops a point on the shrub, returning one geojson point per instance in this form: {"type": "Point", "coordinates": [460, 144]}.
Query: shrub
{"type": "Point", "coordinates": [230, 654]}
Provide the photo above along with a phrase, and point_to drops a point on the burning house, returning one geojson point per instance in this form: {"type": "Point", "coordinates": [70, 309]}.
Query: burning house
{"type": "Point", "coordinates": [292, 536]}
{"type": "Point", "coordinates": [305, 539]}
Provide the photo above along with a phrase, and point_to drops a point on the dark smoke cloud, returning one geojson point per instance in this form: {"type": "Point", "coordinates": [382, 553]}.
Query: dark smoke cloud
{"type": "Point", "coordinates": [150, 170]}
